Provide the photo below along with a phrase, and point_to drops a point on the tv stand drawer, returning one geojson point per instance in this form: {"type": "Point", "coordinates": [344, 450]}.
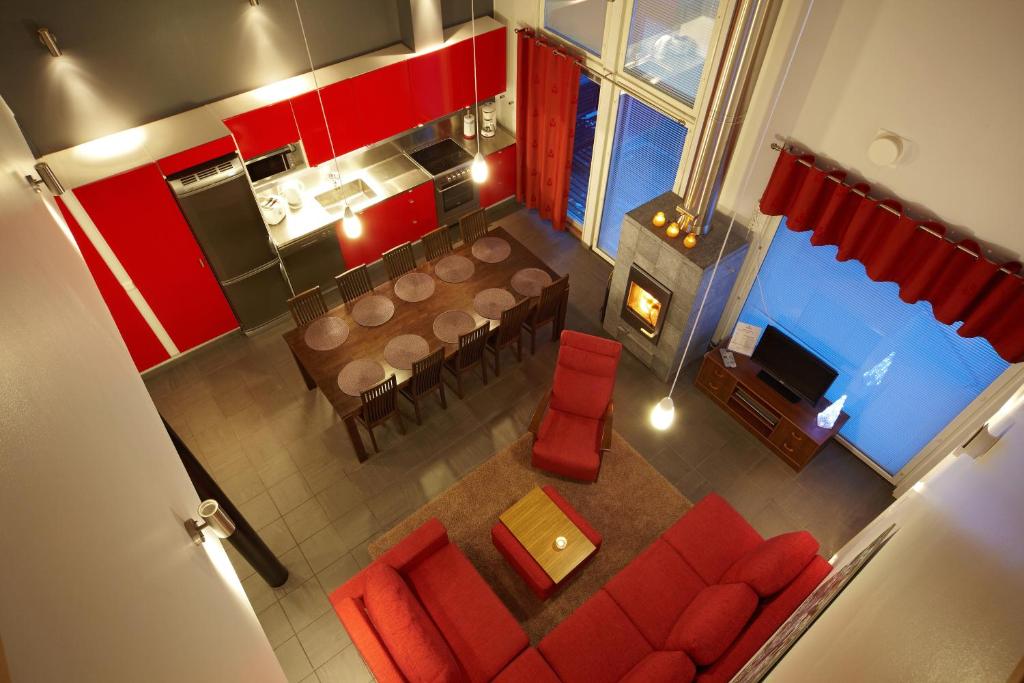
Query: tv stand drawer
{"type": "Point", "coordinates": [792, 444]}
{"type": "Point", "coordinates": [716, 380]}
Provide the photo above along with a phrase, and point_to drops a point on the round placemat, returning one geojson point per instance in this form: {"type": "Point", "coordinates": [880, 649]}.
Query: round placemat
{"type": "Point", "coordinates": [413, 287]}
{"type": "Point", "coordinates": [404, 350]}
{"type": "Point", "coordinates": [529, 281]}
{"type": "Point", "coordinates": [450, 324]}
{"type": "Point", "coordinates": [490, 303]}
{"type": "Point", "coordinates": [454, 268]}
{"type": "Point", "coordinates": [491, 249]}
{"type": "Point", "coordinates": [360, 375]}
{"type": "Point", "coordinates": [324, 334]}
{"type": "Point", "coordinates": [373, 310]}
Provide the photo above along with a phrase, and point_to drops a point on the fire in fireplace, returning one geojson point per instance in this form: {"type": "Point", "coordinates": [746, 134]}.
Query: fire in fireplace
{"type": "Point", "coordinates": [646, 303]}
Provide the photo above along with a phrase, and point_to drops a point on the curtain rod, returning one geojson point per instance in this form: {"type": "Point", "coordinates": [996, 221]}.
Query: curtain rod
{"type": "Point", "coordinates": [779, 148]}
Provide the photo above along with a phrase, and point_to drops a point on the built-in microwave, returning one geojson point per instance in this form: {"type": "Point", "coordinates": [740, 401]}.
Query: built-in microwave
{"type": "Point", "coordinates": [275, 163]}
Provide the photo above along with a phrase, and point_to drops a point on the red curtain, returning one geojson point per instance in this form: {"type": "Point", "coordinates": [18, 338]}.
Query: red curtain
{"type": "Point", "coordinates": [960, 285]}
{"type": "Point", "coordinates": [547, 87]}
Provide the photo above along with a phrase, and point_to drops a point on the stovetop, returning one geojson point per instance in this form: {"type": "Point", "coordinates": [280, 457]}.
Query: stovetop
{"type": "Point", "coordinates": [441, 156]}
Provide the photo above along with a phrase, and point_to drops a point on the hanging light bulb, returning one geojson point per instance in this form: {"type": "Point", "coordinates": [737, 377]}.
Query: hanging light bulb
{"type": "Point", "coordinates": [663, 413]}
{"type": "Point", "coordinates": [479, 171]}
{"type": "Point", "coordinates": [351, 224]}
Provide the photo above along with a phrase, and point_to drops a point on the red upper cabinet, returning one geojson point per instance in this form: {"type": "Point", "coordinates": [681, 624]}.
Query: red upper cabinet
{"type": "Point", "coordinates": [170, 165]}
{"type": "Point", "coordinates": [501, 178]}
{"type": "Point", "coordinates": [379, 105]}
{"type": "Point", "coordinates": [263, 130]}
{"type": "Point", "coordinates": [402, 218]}
{"type": "Point", "coordinates": [491, 55]}
{"type": "Point", "coordinates": [309, 117]}
{"type": "Point", "coordinates": [137, 216]}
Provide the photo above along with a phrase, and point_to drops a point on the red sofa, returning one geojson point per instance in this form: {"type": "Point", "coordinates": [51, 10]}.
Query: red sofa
{"type": "Point", "coordinates": [694, 605]}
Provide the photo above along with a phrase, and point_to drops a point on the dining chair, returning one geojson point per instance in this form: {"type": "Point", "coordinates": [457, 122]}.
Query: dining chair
{"type": "Point", "coordinates": [380, 403]}
{"type": "Point", "coordinates": [399, 260]}
{"type": "Point", "coordinates": [353, 283]}
{"type": "Point", "coordinates": [426, 377]}
{"type": "Point", "coordinates": [469, 355]}
{"type": "Point", "coordinates": [307, 306]}
{"type": "Point", "coordinates": [437, 243]}
{"type": "Point", "coordinates": [509, 332]}
{"type": "Point", "coordinates": [473, 226]}
{"type": "Point", "coordinates": [550, 309]}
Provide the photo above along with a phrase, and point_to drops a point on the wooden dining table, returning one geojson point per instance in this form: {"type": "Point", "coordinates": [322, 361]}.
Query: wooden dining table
{"type": "Point", "coordinates": [320, 369]}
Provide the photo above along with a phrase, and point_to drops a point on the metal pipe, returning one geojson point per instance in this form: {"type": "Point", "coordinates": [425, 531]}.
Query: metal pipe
{"type": "Point", "coordinates": [854, 190]}
{"type": "Point", "coordinates": [729, 100]}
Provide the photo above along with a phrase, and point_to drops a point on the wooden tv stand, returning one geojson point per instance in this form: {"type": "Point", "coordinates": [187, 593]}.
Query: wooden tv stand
{"type": "Point", "coordinates": [789, 429]}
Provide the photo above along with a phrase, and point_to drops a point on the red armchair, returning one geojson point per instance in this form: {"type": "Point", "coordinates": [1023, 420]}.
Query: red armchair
{"type": "Point", "coordinates": [572, 425]}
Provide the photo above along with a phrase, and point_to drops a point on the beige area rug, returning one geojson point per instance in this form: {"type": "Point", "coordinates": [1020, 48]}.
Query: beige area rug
{"type": "Point", "coordinates": [630, 505]}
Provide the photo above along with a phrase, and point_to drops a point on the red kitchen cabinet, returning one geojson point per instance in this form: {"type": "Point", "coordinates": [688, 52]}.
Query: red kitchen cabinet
{"type": "Point", "coordinates": [143, 345]}
{"type": "Point", "coordinates": [491, 55]}
{"type": "Point", "coordinates": [501, 179]}
{"type": "Point", "coordinates": [379, 107]}
{"type": "Point", "coordinates": [402, 218]}
{"type": "Point", "coordinates": [346, 115]}
{"type": "Point", "coordinates": [263, 130]}
{"type": "Point", "coordinates": [188, 158]}
{"type": "Point", "coordinates": [312, 127]}
{"type": "Point", "coordinates": [136, 214]}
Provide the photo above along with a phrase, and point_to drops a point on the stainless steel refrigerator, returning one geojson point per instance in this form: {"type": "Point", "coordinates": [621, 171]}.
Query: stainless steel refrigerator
{"type": "Point", "coordinates": [220, 207]}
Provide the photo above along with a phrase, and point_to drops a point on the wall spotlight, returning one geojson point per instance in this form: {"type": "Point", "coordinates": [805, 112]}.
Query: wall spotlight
{"type": "Point", "coordinates": [254, 3]}
{"type": "Point", "coordinates": [211, 515]}
{"type": "Point", "coordinates": [46, 177]}
{"type": "Point", "coordinates": [49, 41]}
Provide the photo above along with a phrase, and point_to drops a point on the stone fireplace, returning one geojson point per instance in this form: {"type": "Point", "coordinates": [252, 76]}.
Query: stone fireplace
{"type": "Point", "coordinates": [657, 286]}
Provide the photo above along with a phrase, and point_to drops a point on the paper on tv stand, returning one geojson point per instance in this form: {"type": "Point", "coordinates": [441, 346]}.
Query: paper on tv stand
{"type": "Point", "coordinates": [744, 338]}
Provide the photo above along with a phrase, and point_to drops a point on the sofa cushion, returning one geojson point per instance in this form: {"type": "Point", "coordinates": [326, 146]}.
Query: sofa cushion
{"type": "Point", "coordinates": [411, 637]}
{"type": "Point", "coordinates": [713, 621]}
{"type": "Point", "coordinates": [567, 444]}
{"type": "Point", "coordinates": [595, 644]}
{"type": "Point", "coordinates": [654, 589]}
{"type": "Point", "coordinates": [711, 537]}
{"type": "Point", "coordinates": [662, 667]}
{"type": "Point", "coordinates": [482, 633]}
{"type": "Point", "coordinates": [772, 565]}
{"type": "Point", "coordinates": [528, 667]}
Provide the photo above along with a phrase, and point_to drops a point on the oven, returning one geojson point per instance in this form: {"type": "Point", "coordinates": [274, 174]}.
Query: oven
{"type": "Point", "coordinates": [455, 193]}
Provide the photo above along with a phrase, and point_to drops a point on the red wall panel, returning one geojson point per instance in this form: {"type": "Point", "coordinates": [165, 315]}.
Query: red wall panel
{"type": "Point", "coordinates": [170, 165]}
{"type": "Point", "coordinates": [140, 220]}
{"type": "Point", "coordinates": [143, 346]}
{"type": "Point", "coordinates": [264, 129]}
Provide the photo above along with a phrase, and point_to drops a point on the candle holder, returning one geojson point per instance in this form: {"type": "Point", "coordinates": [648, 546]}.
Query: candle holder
{"type": "Point", "coordinates": [560, 543]}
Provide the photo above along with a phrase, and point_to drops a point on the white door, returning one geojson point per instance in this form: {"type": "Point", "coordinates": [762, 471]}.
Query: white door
{"type": "Point", "coordinates": [99, 579]}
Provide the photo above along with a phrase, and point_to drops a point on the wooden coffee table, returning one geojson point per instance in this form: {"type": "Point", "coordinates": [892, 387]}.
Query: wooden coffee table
{"type": "Point", "coordinates": [536, 522]}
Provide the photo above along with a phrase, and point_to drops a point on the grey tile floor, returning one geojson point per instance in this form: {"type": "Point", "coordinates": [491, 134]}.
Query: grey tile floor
{"type": "Point", "coordinates": [283, 456]}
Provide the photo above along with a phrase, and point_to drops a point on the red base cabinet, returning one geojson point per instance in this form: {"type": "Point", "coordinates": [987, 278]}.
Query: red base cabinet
{"type": "Point", "coordinates": [501, 180]}
{"type": "Point", "coordinates": [140, 221]}
{"type": "Point", "coordinates": [263, 130]}
{"type": "Point", "coordinates": [402, 218]}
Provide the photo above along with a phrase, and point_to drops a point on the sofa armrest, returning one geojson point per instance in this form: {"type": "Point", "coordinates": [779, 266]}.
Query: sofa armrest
{"type": "Point", "coordinates": [538, 413]}
{"type": "Point", "coordinates": [364, 636]}
{"type": "Point", "coordinates": [606, 428]}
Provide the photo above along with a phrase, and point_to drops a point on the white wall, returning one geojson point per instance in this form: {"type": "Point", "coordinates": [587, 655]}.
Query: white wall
{"type": "Point", "coordinates": [943, 73]}
{"type": "Point", "coordinates": [100, 581]}
{"type": "Point", "coordinates": [944, 600]}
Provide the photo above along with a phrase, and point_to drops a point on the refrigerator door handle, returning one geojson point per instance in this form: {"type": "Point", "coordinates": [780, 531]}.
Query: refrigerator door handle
{"type": "Point", "coordinates": [254, 271]}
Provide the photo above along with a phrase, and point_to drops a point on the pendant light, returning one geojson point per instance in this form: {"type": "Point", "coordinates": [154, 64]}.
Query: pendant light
{"type": "Point", "coordinates": [478, 171]}
{"type": "Point", "coordinates": [351, 224]}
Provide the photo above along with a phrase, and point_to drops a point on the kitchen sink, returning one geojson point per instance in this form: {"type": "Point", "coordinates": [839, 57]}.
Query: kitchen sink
{"type": "Point", "coordinates": [354, 192]}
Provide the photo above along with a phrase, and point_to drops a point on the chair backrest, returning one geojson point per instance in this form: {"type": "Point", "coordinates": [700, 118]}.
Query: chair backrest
{"type": "Point", "coordinates": [353, 283]}
{"type": "Point", "coordinates": [307, 306]}
{"type": "Point", "coordinates": [426, 373]}
{"type": "Point", "coordinates": [585, 374]}
{"type": "Point", "coordinates": [511, 323]}
{"type": "Point", "coordinates": [437, 243]}
{"type": "Point", "coordinates": [471, 346]}
{"type": "Point", "coordinates": [380, 401]}
{"type": "Point", "coordinates": [550, 299]}
{"type": "Point", "coordinates": [473, 226]}
{"type": "Point", "coordinates": [399, 260]}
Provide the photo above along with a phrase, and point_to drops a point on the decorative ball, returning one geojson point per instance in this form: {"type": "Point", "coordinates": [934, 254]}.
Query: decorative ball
{"type": "Point", "coordinates": [659, 219]}
{"type": "Point", "coordinates": [672, 230]}
{"type": "Point", "coordinates": [690, 241]}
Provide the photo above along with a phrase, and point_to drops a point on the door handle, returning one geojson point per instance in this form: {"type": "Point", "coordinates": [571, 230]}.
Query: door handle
{"type": "Point", "coordinates": [202, 263]}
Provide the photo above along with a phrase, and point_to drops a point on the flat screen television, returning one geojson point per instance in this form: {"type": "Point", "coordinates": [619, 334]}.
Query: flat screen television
{"type": "Point", "coordinates": [791, 369]}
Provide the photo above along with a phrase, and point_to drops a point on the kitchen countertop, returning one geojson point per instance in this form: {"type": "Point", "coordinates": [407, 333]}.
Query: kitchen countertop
{"type": "Point", "coordinates": [388, 177]}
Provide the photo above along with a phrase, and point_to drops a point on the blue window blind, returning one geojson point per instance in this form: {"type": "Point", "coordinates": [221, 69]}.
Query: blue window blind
{"type": "Point", "coordinates": [906, 374]}
{"type": "Point", "coordinates": [583, 148]}
{"type": "Point", "coordinates": [646, 150]}
{"type": "Point", "coordinates": [668, 44]}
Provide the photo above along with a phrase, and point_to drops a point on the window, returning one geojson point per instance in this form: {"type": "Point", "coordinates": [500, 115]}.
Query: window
{"type": "Point", "coordinates": [906, 375]}
{"type": "Point", "coordinates": [581, 22]}
{"type": "Point", "coordinates": [668, 44]}
{"type": "Point", "coordinates": [583, 149]}
{"type": "Point", "coordinates": [645, 157]}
